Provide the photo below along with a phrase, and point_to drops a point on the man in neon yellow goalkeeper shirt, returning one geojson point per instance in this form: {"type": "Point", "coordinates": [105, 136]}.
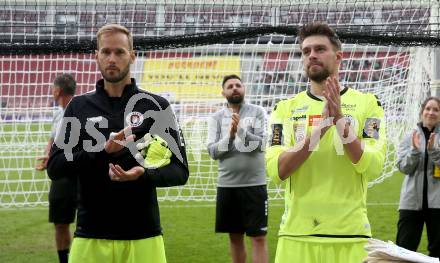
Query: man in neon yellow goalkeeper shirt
{"type": "Point", "coordinates": [325, 143]}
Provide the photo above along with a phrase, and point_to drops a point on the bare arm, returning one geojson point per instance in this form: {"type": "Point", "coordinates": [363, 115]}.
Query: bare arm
{"type": "Point", "coordinates": [42, 165]}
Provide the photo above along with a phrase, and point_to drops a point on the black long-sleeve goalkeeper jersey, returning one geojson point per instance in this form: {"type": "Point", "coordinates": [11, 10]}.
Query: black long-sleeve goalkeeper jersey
{"type": "Point", "coordinates": [109, 209]}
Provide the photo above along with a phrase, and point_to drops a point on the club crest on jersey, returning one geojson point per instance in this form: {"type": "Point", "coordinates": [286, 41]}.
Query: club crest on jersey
{"type": "Point", "coordinates": [299, 129]}
{"type": "Point", "coordinates": [134, 119]}
{"type": "Point", "coordinates": [350, 119]}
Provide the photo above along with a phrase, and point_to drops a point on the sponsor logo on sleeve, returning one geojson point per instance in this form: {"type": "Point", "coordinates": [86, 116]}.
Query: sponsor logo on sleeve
{"type": "Point", "coordinates": [277, 134]}
{"type": "Point", "coordinates": [371, 128]}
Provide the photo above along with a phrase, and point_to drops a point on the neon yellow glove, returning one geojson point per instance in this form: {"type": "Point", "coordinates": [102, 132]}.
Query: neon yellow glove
{"type": "Point", "coordinates": [155, 151]}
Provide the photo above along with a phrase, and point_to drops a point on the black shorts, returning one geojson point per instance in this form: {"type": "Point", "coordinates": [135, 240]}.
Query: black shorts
{"type": "Point", "coordinates": [242, 210]}
{"type": "Point", "coordinates": [63, 196]}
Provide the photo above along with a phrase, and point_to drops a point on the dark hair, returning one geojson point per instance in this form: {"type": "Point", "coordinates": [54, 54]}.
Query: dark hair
{"type": "Point", "coordinates": [320, 29]}
{"type": "Point", "coordinates": [66, 83]}
{"type": "Point", "coordinates": [422, 107]}
{"type": "Point", "coordinates": [228, 77]}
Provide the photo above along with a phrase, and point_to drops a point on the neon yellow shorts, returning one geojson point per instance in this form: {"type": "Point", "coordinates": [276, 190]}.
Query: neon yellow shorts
{"type": "Point", "coordinates": [320, 250]}
{"type": "Point", "coordinates": [89, 250]}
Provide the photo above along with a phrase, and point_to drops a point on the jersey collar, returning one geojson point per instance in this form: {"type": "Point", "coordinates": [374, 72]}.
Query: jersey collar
{"type": "Point", "coordinates": [128, 89]}
{"type": "Point", "coordinates": [309, 93]}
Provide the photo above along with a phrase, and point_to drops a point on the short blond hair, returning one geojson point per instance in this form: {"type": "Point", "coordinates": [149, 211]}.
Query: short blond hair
{"type": "Point", "coordinates": [114, 28]}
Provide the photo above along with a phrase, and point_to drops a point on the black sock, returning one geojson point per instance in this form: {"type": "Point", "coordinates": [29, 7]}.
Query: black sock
{"type": "Point", "coordinates": [63, 255]}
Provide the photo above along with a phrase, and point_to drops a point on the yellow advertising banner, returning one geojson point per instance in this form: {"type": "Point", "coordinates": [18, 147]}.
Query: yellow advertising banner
{"type": "Point", "coordinates": [188, 78]}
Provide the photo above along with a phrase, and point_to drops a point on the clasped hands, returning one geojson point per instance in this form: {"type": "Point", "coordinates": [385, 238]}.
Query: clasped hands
{"type": "Point", "coordinates": [153, 152]}
{"type": "Point", "coordinates": [332, 113]}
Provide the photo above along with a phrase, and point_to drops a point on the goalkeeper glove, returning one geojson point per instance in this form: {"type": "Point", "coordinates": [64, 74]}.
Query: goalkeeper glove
{"type": "Point", "coordinates": [154, 150]}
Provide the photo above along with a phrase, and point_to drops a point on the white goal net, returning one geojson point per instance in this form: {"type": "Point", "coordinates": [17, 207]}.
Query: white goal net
{"type": "Point", "coordinates": [184, 48]}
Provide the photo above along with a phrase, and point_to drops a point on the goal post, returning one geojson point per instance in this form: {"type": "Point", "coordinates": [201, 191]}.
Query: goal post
{"type": "Point", "coordinates": [183, 50]}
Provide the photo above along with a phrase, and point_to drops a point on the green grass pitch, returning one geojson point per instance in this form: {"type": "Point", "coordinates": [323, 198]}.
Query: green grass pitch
{"type": "Point", "coordinates": [189, 236]}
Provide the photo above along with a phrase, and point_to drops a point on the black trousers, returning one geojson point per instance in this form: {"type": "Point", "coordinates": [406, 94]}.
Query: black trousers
{"type": "Point", "coordinates": [410, 228]}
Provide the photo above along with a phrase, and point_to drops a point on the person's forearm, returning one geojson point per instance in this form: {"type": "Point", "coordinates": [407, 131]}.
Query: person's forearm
{"type": "Point", "coordinates": [218, 149]}
{"type": "Point", "coordinates": [62, 164]}
{"type": "Point", "coordinates": [174, 174]}
{"type": "Point", "coordinates": [290, 160]}
{"type": "Point", "coordinates": [253, 142]}
{"type": "Point", "coordinates": [48, 146]}
{"type": "Point", "coordinates": [354, 150]}
{"type": "Point", "coordinates": [352, 144]}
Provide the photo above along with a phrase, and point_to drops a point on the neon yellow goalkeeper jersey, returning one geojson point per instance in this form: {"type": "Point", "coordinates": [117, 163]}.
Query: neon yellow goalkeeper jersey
{"type": "Point", "coordinates": [326, 195]}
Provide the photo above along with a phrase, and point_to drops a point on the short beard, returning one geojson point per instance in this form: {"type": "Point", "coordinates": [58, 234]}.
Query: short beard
{"type": "Point", "coordinates": [117, 78]}
{"type": "Point", "coordinates": [235, 99]}
{"type": "Point", "coordinates": [319, 76]}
